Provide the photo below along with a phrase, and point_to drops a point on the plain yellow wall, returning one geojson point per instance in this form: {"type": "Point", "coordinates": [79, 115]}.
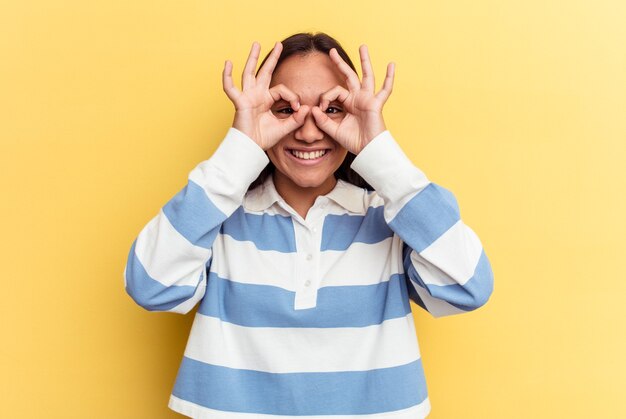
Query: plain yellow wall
{"type": "Point", "coordinates": [518, 107]}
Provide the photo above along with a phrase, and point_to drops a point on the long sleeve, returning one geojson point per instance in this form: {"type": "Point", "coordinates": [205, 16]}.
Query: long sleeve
{"type": "Point", "coordinates": [446, 268]}
{"type": "Point", "coordinates": [167, 264]}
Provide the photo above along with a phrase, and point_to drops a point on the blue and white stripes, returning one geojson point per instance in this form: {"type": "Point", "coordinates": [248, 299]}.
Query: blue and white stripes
{"type": "Point", "coordinates": [166, 268]}
{"type": "Point", "coordinates": [306, 316]}
{"type": "Point", "coordinates": [443, 258]}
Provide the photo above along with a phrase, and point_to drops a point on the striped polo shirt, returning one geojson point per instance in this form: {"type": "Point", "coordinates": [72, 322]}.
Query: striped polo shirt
{"type": "Point", "coordinates": [306, 316]}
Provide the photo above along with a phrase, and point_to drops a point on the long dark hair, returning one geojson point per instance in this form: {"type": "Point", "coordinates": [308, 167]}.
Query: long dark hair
{"type": "Point", "coordinates": [302, 44]}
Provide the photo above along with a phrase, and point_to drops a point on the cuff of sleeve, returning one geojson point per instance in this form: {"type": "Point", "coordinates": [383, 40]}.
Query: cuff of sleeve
{"type": "Point", "coordinates": [239, 157]}
{"type": "Point", "coordinates": [384, 165]}
{"type": "Point", "coordinates": [228, 173]}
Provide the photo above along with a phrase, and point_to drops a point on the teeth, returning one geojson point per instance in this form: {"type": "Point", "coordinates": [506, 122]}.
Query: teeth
{"type": "Point", "coordinates": [308, 155]}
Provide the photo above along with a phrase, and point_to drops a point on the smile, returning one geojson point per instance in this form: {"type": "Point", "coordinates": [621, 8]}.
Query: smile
{"type": "Point", "coordinates": [308, 155]}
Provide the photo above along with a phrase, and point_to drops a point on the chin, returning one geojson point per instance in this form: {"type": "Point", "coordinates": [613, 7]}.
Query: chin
{"type": "Point", "coordinates": [310, 181]}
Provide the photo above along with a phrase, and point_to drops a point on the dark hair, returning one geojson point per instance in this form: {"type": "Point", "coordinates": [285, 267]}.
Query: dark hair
{"type": "Point", "coordinates": [305, 43]}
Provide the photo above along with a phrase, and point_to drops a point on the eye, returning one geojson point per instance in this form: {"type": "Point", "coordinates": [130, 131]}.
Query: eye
{"type": "Point", "coordinates": [284, 111]}
{"type": "Point", "coordinates": [333, 109]}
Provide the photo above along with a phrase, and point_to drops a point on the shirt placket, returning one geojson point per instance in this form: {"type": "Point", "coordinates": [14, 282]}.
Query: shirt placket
{"type": "Point", "coordinates": [308, 243]}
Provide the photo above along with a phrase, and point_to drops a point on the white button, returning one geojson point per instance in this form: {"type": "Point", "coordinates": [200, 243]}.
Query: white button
{"type": "Point", "coordinates": [309, 256]}
{"type": "Point", "coordinates": [307, 283]}
{"type": "Point", "coordinates": [314, 229]}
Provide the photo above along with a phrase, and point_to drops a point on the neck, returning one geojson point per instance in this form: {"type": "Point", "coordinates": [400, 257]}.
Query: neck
{"type": "Point", "coordinates": [300, 198]}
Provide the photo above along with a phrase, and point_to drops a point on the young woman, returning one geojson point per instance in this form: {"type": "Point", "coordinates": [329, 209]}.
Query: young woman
{"type": "Point", "coordinates": [304, 237]}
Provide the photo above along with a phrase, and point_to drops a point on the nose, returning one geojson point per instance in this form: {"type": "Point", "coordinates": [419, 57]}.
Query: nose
{"type": "Point", "coordinates": [309, 131]}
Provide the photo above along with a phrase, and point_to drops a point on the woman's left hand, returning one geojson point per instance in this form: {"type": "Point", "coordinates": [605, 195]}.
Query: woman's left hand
{"type": "Point", "coordinates": [364, 119]}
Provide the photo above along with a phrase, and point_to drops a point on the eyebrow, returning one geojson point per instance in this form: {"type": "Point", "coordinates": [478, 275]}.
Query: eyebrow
{"type": "Point", "coordinates": [282, 101]}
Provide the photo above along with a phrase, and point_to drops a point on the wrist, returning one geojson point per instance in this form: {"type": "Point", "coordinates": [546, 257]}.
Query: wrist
{"type": "Point", "coordinates": [370, 135]}
{"type": "Point", "coordinates": [241, 122]}
{"type": "Point", "coordinates": [372, 132]}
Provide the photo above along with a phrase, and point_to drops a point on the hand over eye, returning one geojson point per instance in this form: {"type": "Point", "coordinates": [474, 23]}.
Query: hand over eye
{"type": "Point", "coordinates": [363, 118]}
{"type": "Point", "coordinates": [253, 103]}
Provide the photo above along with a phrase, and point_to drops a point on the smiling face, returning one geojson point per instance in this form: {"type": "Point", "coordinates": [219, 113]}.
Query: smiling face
{"type": "Point", "coordinates": [307, 157]}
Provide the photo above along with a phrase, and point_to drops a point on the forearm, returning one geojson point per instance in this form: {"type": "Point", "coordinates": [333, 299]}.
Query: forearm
{"type": "Point", "coordinates": [443, 256]}
{"type": "Point", "coordinates": [166, 266]}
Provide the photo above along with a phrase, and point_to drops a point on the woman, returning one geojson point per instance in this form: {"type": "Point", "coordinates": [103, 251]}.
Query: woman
{"type": "Point", "coordinates": [304, 267]}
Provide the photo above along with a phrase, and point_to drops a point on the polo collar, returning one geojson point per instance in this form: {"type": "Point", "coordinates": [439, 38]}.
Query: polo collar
{"type": "Point", "coordinates": [263, 196]}
{"type": "Point", "coordinates": [345, 194]}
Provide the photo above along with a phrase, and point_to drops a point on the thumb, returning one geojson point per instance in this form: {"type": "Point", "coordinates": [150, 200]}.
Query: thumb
{"type": "Point", "coordinates": [325, 123]}
{"type": "Point", "coordinates": [296, 119]}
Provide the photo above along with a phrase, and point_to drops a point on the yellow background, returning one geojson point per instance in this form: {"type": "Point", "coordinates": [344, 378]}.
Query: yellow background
{"type": "Point", "coordinates": [518, 107]}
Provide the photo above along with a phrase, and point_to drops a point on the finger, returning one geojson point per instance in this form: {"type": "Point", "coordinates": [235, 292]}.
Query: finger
{"type": "Point", "coordinates": [265, 74]}
{"type": "Point", "coordinates": [351, 77]}
{"type": "Point", "coordinates": [325, 123]}
{"type": "Point", "coordinates": [227, 81]}
{"type": "Point", "coordinates": [296, 119]}
{"type": "Point", "coordinates": [247, 77]}
{"type": "Point", "coordinates": [366, 68]}
{"type": "Point", "coordinates": [336, 93]}
{"type": "Point", "coordinates": [280, 91]}
{"type": "Point", "coordinates": [385, 91]}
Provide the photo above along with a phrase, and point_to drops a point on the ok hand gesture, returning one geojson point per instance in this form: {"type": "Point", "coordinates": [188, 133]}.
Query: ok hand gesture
{"type": "Point", "coordinates": [363, 120]}
{"type": "Point", "coordinates": [253, 116]}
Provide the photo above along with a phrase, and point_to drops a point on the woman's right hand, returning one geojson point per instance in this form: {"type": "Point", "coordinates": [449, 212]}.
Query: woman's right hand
{"type": "Point", "coordinates": [253, 115]}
